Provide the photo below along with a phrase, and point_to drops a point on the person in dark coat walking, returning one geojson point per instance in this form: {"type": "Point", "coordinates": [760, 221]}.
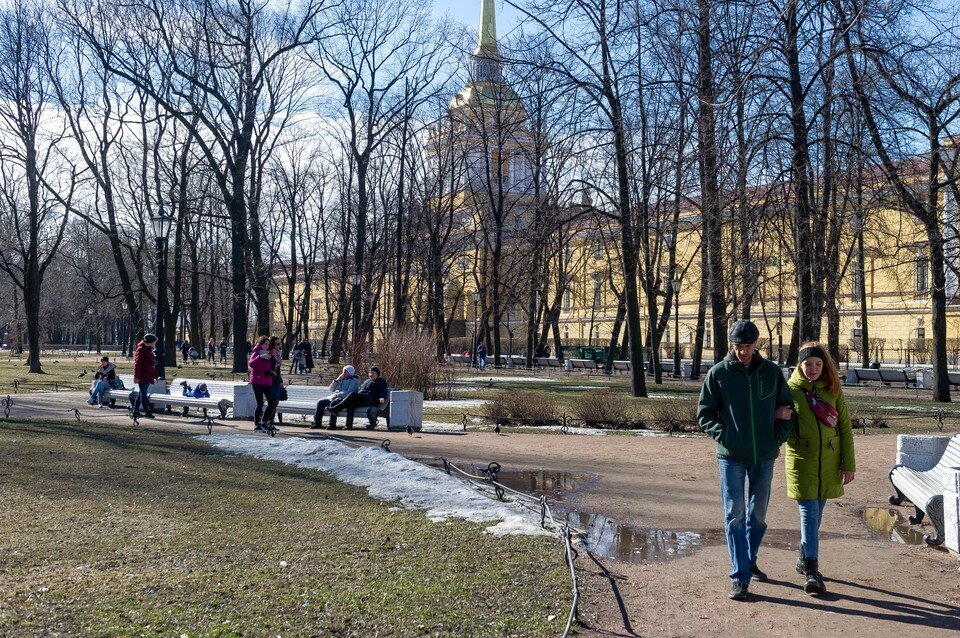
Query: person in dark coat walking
{"type": "Point", "coordinates": [745, 406]}
{"type": "Point", "coordinates": [144, 373]}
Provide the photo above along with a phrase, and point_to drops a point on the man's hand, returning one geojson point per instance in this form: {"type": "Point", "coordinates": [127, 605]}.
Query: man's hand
{"type": "Point", "coordinates": [784, 413]}
{"type": "Point", "coordinates": [381, 401]}
{"type": "Point", "coordinates": [846, 477]}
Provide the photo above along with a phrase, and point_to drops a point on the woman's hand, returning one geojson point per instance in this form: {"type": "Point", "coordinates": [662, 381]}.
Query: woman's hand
{"type": "Point", "coordinates": [784, 413]}
{"type": "Point", "coordinates": [846, 477]}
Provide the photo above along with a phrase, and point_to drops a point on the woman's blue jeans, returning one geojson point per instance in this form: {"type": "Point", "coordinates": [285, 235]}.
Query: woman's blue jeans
{"type": "Point", "coordinates": [746, 511]}
{"type": "Point", "coordinates": [811, 513]}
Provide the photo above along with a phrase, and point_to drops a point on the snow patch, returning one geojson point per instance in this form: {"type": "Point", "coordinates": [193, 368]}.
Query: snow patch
{"type": "Point", "coordinates": [455, 404]}
{"type": "Point", "coordinates": [389, 477]}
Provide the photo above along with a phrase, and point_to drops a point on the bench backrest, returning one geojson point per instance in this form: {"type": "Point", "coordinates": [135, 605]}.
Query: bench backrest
{"type": "Point", "coordinates": [893, 376]}
{"type": "Point", "coordinates": [621, 365]}
{"type": "Point", "coordinates": [867, 374]}
{"type": "Point", "coordinates": [307, 392]}
{"type": "Point", "coordinates": [519, 360]}
{"type": "Point", "coordinates": [553, 362]}
{"type": "Point", "coordinates": [950, 458]}
{"type": "Point", "coordinates": [954, 378]}
{"type": "Point", "coordinates": [217, 389]}
{"type": "Point", "coordinates": [155, 388]}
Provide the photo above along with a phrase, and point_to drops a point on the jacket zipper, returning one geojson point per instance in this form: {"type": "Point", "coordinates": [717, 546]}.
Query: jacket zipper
{"type": "Point", "coordinates": [753, 425]}
{"type": "Point", "coordinates": [816, 422]}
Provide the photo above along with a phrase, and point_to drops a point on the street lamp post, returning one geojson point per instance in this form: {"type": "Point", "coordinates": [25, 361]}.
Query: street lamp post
{"type": "Point", "coordinates": [473, 345]}
{"type": "Point", "coordinates": [125, 323]}
{"type": "Point", "coordinates": [676, 326]}
{"type": "Point", "coordinates": [161, 229]}
{"type": "Point", "coordinates": [89, 329]}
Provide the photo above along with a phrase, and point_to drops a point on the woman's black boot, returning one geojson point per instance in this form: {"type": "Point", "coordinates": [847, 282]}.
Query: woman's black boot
{"type": "Point", "coordinates": [814, 584]}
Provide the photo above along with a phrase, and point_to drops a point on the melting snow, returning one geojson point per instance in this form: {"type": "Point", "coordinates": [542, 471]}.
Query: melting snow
{"type": "Point", "coordinates": [455, 403]}
{"type": "Point", "coordinates": [389, 477]}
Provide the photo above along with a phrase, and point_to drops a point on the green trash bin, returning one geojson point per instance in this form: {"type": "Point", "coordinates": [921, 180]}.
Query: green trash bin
{"type": "Point", "coordinates": [592, 352]}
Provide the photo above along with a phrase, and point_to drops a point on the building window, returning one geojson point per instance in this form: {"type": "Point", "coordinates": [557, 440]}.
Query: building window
{"type": "Point", "coordinates": [921, 333]}
{"type": "Point", "coordinates": [923, 274]}
{"type": "Point", "coordinates": [568, 254]}
{"type": "Point", "coordinates": [567, 299]}
{"type": "Point", "coordinates": [857, 279]}
{"type": "Point", "coordinates": [597, 249]}
{"type": "Point", "coordinates": [707, 339]}
{"type": "Point", "coordinates": [597, 292]}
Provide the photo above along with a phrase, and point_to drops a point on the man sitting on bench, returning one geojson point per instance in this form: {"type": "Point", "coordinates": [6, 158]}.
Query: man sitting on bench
{"type": "Point", "coordinates": [343, 385]}
{"type": "Point", "coordinates": [373, 393]}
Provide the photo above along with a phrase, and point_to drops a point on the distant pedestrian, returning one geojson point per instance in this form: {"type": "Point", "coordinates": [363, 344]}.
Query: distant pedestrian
{"type": "Point", "coordinates": [481, 356]}
{"type": "Point", "coordinates": [185, 350]}
{"type": "Point", "coordinates": [223, 350]}
{"type": "Point", "coordinates": [745, 406]}
{"type": "Point", "coordinates": [144, 373]}
{"type": "Point", "coordinates": [211, 351]}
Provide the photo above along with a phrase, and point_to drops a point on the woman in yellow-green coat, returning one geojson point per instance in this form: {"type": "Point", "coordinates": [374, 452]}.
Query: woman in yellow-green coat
{"type": "Point", "coordinates": [819, 459]}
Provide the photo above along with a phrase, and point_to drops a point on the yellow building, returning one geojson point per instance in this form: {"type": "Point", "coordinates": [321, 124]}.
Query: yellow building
{"type": "Point", "coordinates": [489, 121]}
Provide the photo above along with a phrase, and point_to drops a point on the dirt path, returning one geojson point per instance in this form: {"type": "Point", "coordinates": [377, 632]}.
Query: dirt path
{"type": "Point", "coordinates": [876, 587]}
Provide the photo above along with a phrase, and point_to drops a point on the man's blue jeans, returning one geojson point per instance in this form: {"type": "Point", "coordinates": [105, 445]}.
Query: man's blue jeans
{"type": "Point", "coordinates": [746, 511]}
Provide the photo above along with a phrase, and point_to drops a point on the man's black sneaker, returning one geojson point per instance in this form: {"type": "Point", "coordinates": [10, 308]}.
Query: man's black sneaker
{"type": "Point", "coordinates": [149, 415]}
{"type": "Point", "coordinates": [738, 591]}
{"type": "Point", "coordinates": [757, 574]}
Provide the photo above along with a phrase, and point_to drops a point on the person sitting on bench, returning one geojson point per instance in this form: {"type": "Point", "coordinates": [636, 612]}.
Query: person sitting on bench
{"type": "Point", "coordinates": [343, 385]}
{"type": "Point", "coordinates": [373, 393]}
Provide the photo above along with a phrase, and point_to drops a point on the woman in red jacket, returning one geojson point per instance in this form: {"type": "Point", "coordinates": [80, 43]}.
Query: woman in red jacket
{"type": "Point", "coordinates": [144, 373]}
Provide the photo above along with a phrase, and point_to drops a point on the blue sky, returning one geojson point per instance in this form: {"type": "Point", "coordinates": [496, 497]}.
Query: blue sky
{"type": "Point", "coordinates": [468, 12]}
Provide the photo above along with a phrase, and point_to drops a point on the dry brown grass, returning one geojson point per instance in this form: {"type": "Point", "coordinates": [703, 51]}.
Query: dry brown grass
{"type": "Point", "coordinates": [522, 408]}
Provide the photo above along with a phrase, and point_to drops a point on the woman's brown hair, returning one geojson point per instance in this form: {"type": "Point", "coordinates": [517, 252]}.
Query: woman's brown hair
{"type": "Point", "coordinates": [274, 339]}
{"type": "Point", "coordinates": [829, 374]}
{"type": "Point", "coordinates": [262, 340]}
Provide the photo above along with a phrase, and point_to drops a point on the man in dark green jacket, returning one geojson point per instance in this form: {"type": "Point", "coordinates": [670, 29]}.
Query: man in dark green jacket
{"type": "Point", "coordinates": [745, 406]}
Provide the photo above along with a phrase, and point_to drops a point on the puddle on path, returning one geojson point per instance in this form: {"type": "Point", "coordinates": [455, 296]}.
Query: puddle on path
{"type": "Point", "coordinates": [890, 525]}
{"type": "Point", "coordinates": [556, 486]}
{"type": "Point", "coordinates": [604, 536]}
{"type": "Point", "coordinates": [607, 538]}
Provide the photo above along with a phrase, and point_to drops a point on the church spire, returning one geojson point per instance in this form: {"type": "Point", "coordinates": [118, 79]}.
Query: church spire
{"type": "Point", "coordinates": [486, 57]}
{"type": "Point", "coordinates": [487, 46]}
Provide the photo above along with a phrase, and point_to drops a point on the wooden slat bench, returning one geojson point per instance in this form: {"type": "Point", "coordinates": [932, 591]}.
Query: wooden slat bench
{"type": "Point", "coordinates": [302, 399]}
{"type": "Point", "coordinates": [867, 376]}
{"type": "Point", "coordinates": [584, 364]}
{"type": "Point", "coordinates": [954, 378]}
{"type": "Point", "coordinates": [221, 397]}
{"type": "Point", "coordinates": [621, 366]}
{"type": "Point", "coordinates": [925, 489]}
{"type": "Point", "coordinates": [908, 379]}
{"type": "Point", "coordinates": [130, 391]}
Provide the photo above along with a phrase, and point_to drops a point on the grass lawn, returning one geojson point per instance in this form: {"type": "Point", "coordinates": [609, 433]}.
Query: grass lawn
{"type": "Point", "coordinates": [108, 531]}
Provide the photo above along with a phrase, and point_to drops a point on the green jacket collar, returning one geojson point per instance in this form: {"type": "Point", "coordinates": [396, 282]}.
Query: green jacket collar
{"type": "Point", "coordinates": [797, 380]}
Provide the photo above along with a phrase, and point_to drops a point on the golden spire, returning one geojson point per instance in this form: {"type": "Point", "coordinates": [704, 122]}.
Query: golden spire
{"type": "Point", "coordinates": [487, 47]}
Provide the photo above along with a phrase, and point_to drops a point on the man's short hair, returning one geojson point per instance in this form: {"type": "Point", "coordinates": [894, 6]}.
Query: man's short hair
{"type": "Point", "coordinates": [375, 369]}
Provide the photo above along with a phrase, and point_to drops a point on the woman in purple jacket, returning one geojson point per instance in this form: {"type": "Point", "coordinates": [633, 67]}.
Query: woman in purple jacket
{"type": "Point", "coordinates": [264, 368]}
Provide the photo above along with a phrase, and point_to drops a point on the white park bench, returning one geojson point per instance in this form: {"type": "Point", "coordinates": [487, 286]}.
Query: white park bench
{"type": "Point", "coordinates": [302, 399]}
{"type": "Point", "coordinates": [221, 397]}
{"type": "Point", "coordinates": [130, 391]}
{"type": "Point", "coordinates": [925, 489]}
